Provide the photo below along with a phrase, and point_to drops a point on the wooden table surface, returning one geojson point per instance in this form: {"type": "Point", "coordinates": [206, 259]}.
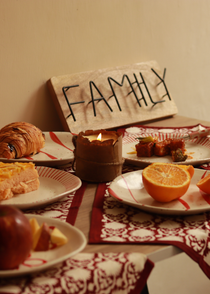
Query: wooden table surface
{"type": "Point", "coordinates": [156, 252]}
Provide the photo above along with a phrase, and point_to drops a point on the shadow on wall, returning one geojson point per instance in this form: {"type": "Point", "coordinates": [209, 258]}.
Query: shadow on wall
{"type": "Point", "coordinates": [41, 111]}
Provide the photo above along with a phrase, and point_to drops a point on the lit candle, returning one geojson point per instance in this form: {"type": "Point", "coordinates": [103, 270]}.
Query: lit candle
{"type": "Point", "coordinates": [103, 136]}
{"type": "Point", "coordinates": [98, 155]}
{"type": "Point", "coordinates": [99, 137]}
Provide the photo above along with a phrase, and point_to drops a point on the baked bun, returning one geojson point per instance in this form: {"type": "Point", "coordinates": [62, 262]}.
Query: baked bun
{"type": "Point", "coordinates": [20, 139]}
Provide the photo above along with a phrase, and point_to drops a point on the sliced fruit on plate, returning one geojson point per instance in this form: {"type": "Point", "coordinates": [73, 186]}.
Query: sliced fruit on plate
{"type": "Point", "coordinates": [44, 236]}
{"type": "Point", "coordinates": [165, 182]}
{"type": "Point", "coordinates": [58, 238]}
{"type": "Point", "coordinates": [34, 226]}
{"type": "Point", "coordinates": [189, 168]}
{"type": "Point", "coordinates": [204, 184]}
{"type": "Point", "coordinates": [41, 238]}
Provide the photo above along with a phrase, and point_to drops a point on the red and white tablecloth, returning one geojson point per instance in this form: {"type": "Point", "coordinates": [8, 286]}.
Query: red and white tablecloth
{"type": "Point", "coordinates": [84, 273]}
{"type": "Point", "coordinates": [115, 222]}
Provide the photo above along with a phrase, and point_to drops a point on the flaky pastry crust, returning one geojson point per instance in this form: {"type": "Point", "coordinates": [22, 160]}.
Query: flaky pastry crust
{"type": "Point", "coordinates": [20, 139]}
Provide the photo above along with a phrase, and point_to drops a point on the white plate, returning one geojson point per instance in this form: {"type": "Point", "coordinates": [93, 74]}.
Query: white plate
{"type": "Point", "coordinates": [58, 150]}
{"type": "Point", "coordinates": [54, 185]}
{"type": "Point", "coordinates": [129, 189]}
{"type": "Point", "coordinates": [197, 149]}
{"type": "Point", "coordinates": [43, 260]}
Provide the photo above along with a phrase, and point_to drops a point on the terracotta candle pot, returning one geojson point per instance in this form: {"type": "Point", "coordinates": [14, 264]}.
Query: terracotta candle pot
{"type": "Point", "coordinates": [98, 155]}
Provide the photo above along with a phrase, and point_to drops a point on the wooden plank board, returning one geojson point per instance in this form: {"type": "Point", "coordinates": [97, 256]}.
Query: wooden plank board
{"type": "Point", "coordinates": [109, 98]}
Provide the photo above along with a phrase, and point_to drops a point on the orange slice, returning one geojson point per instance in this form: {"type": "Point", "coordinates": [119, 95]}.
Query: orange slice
{"type": "Point", "coordinates": [165, 182]}
{"type": "Point", "coordinates": [189, 168]}
{"type": "Point", "coordinates": [204, 184]}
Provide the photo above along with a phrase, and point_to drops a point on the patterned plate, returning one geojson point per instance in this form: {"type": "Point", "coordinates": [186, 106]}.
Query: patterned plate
{"type": "Point", "coordinates": [198, 149]}
{"type": "Point", "coordinates": [38, 261]}
{"type": "Point", "coordinates": [58, 150]}
{"type": "Point", "coordinates": [54, 185]}
{"type": "Point", "coordinates": [129, 189]}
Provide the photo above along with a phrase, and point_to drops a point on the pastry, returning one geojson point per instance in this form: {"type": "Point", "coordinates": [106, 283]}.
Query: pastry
{"type": "Point", "coordinates": [20, 139]}
{"type": "Point", "coordinates": [17, 178]}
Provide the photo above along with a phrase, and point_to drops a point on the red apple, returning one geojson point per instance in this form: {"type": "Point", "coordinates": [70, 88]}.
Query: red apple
{"type": "Point", "coordinates": [15, 237]}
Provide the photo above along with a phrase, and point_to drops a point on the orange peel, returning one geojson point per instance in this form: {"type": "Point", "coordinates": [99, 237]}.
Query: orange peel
{"type": "Point", "coordinates": [204, 184]}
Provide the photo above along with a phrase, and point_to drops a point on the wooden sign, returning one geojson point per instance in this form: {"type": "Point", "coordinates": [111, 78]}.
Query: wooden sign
{"type": "Point", "coordinates": [110, 98]}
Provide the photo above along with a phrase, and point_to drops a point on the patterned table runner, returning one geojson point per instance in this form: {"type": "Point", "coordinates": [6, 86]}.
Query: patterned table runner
{"type": "Point", "coordinates": [115, 222]}
{"type": "Point", "coordinates": [84, 273]}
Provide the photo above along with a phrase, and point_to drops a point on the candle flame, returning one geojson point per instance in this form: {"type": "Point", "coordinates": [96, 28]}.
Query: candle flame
{"type": "Point", "coordinates": [99, 137]}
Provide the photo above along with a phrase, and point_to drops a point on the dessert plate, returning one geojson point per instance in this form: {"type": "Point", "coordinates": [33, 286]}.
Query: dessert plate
{"type": "Point", "coordinates": [54, 185]}
{"type": "Point", "coordinates": [42, 260]}
{"type": "Point", "coordinates": [58, 150]}
{"type": "Point", "coordinates": [129, 189]}
{"type": "Point", "coordinates": [198, 149]}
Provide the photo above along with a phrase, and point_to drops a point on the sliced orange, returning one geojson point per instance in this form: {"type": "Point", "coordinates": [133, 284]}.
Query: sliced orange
{"type": "Point", "coordinates": [204, 184]}
{"type": "Point", "coordinates": [189, 168]}
{"type": "Point", "coordinates": [165, 182]}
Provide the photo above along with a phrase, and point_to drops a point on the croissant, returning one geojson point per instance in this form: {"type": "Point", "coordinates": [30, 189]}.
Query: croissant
{"type": "Point", "coordinates": [20, 139]}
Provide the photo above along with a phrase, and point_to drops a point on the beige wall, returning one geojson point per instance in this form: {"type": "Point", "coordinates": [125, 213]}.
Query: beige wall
{"type": "Point", "coordinates": [44, 38]}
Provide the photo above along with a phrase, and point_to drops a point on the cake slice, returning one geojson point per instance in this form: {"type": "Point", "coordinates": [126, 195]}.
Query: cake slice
{"type": "Point", "coordinates": [17, 178]}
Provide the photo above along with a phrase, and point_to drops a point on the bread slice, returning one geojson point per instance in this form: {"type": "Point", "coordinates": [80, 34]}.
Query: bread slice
{"type": "Point", "coordinates": [17, 178]}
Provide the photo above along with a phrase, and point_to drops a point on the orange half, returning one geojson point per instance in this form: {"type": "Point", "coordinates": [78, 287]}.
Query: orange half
{"type": "Point", "coordinates": [204, 184]}
{"type": "Point", "coordinates": [189, 168]}
{"type": "Point", "coordinates": [165, 182]}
